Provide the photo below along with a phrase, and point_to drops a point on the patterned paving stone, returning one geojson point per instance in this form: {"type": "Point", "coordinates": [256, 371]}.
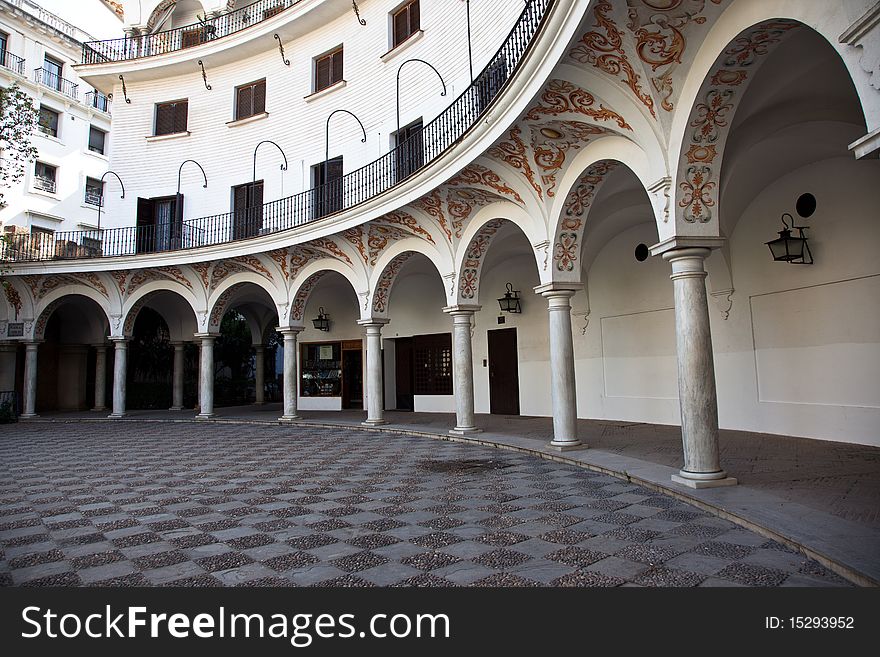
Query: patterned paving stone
{"type": "Point", "coordinates": [177, 507]}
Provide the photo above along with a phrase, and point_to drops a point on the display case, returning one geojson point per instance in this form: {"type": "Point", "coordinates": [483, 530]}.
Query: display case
{"type": "Point", "coordinates": [321, 369]}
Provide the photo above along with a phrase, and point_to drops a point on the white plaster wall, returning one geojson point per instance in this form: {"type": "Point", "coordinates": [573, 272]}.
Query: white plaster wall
{"type": "Point", "coordinates": [434, 403]}
{"type": "Point", "coordinates": [65, 209]}
{"type": "Point", "coordinates": [297, 125]}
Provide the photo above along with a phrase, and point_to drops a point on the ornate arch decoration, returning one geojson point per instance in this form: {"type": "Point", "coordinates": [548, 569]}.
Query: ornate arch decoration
{"type": "Point", "coordinates": [569, 233]}
{"type": "Point", "coordinates": [382, 293]}
{"type": "Point", "coordinates": [157, 13]}
{"type": "Point", "coordinates": [45, 314]}
{"type": "Point", "coordinates": [710, 119]}
{"type": "Point", "coordinates": [228, 292]}
{"type": "Point", "coordinates": [298, 308]}
{"type": "Point", "coordinates": [148, 292]}
{"type": "Point", "coordinates": [471, 266]}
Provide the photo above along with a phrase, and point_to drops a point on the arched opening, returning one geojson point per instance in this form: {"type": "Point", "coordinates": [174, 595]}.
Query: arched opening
{"type": "Point", "coordinates": [72, 329]}
{"type": "Point", "coordinates": [801, 339]}
{"type": "Point", "coordinates": [331, 352]}
{"type": "Point", "coordinates": [417, 345]}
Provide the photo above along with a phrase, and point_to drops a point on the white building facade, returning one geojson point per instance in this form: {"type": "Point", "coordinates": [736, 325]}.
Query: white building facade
{"type": "Point", "coordinates": [618, 166]}
{"type": "Point", "coordinates": [60, 192]}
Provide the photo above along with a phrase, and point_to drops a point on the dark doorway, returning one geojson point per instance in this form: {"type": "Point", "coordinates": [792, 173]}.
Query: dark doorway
{"type": "Point", "coordinates": [327, 189]}
{"type": "Point", "coordinates": [409, 151]}
{"type": "Point", "coordinates": [503, 372]}
{"type": "Point", "coordinates": [159, 224]}
{"type": "Point", "coordinates": [247, 208]}
{"type": "Point", "coordinates": [403, 371]}
{"type": "Point", "coordinates": [352, 375]}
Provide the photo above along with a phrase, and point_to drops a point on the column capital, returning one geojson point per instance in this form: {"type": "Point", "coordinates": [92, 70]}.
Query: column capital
{"type": "Point", "coordinates": [178, 344]}
{"type": "Point", "coordinates": [259, 347]}
{"type": "Point", "coordinates": [289, 330]}
{"type": "Point", "coordinates": [119, 339]}
{"type": "Point", "coordinates": [550, 290]}
{"type": "Point", "coordinates": [206, 336]}
{"type": "Point", "coordinates": [373, 321]}
{"type": "Point", "coordinates": [687, 242]}
{"type": "Point", "coordinates": [462, 309]}
{"type": "Point", "coordinates": [32, 344]}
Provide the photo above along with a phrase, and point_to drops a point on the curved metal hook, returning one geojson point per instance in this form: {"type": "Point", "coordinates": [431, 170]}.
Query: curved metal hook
{"type": "Point", "coordinates": [443, 93]}
{"type": "Point", "coordinates": [256, 148]}
{"type": "Point", "coordinates": [354, 5]}
{"type": "Point", "coordinates": [281, 48]}
{"type": "Point", "coordinates": [784, 215]}
{"type": "Point", "coordinates": [101, 198]}
{"type": "Point", "coordinates": [180, 169]}
{"type": "Point", "coordinates": [205, 76]}
{"type": "Point", "coordinates": [124, 90]}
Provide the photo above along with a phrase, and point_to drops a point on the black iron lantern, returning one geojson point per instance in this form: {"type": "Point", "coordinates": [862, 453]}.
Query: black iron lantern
{"type": "Point", "coordinates": [510, 301]}
{"type": "Point", "coordinates": [322, 321]}
{"type": "Point", "coordinates": [788, 248]}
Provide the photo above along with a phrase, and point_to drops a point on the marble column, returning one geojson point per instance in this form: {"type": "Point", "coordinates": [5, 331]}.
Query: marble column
{"type": "Point", "coordinates": [120, 372]}
{"type": "Point", "coordinates": [30, 379]}
{"type": "Point", "coordinates": [177, 377]}
{"type": "Point", "coordinates": [562, 380]}
{"type": "Point", "coordinates": [696, 371]}
{"type": "Point", "coordinates": [259, 374]}
{"type": "Point", "coordinates": [100, 377]}
{"type": "Point", "coordinates": [206, 376]}
{"type": "Point", "coordinates": [375, 394]}
{"type": "Point", "coordinates": [463, 368]}
{"type": "Point", "coordinates": [290, 378]}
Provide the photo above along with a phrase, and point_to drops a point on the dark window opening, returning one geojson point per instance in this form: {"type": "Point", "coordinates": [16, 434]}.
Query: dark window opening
{"type": "Point", "coordinates": [432, 364]}
{"type": "Point", "coordinates": [250, 99]}
{"type": "Point", "coordinates": [47, 123]}
{"type": "Point", "coordinates": [96, 140]}
{"type": "Point", "coordinates": [94, 191]}
{"type": "Point", "coordinates": [327, 193]}
{"type": "Point", "coordinates": [160, 224]}
{"type": "Point", "coordinates": [44, 177]}
{"type": "Point", "coordinates": [171, 117]}
{"type": "Point", "coordinates": [52, 72]}
{"type": "Point", "coordinates": [409, 152]}
{"type": "Point", "coordinates": [405, 22]}
{"type": "Point", "coordinates": [328, 69]}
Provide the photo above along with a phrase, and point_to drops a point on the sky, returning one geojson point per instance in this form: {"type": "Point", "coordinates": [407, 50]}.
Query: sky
{"type": "Point", "coordinates": [88, 15]}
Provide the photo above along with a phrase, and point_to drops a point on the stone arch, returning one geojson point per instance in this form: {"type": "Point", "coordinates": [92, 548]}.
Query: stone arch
{"type": "Point", "coordinates": [388, 266]}
{"type": "Point", "coordinates": [475, 243]}
{"type": "Point", "coordinates": [232, 290]}
{"type": "Point", "coordinates": [179, 330]}
{"type": "Point", "coordinates": [58, 296]}
{"type": "Point", "coordinates": [306, 280]}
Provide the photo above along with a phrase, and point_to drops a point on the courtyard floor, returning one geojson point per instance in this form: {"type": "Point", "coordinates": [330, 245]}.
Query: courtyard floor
{"type": "Point", "coordinates": [139, 503]}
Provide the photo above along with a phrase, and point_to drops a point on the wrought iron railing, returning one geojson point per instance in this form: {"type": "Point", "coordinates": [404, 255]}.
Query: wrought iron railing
{"type": "Point", "coordinates": [12, 62]}
{"type": "Point", "coordinates": [98, 100]}
{"type": "Point", "coordinates": [44, 184]}
{"type": "Point", "coordinates": [54, 81]}
{"type": "Point", "coordinates": [180, 38]}
{"type": "Point", "coordinates": [356, 187]}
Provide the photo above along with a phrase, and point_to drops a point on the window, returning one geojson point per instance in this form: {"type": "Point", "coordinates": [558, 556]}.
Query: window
{"type": "Point", "coordinates": [199, 35]}
{"type": "Point", "coordinates": [405, 22]}
{"type": "Point", "coordinates": [272, 11]}
{"type": "Point", "coordinates": [159, 224]}
{"type": "Point", "coordinates": [321, 370]}
{"type": "Point", "coordinates": [47, 123]}
{"type": "Point", "coordinates": [328, 69]}
{"type": "Point", "coordinates": [94, 191]}
{"type": "Point", "coordinates": [409, 152]}
{"type": "Point", "coordinates": [44, 177]}
{"type": "Point", "coordinates": [97, 139]}
{"type": "Point", "coordinates": [327, 198]}
{"type": "Point", "coordinates": [250, 99]}
{"type": "Point", "coordinates": [4, 44]}
{"type": "Point", "coordinates": [171, 117]}
{"type": "Point", "coordinates": [52, 72]}
{"type": "Point", "coordinates": [432, 364]}
{"type": "Point", "coordinates": [247, 207]}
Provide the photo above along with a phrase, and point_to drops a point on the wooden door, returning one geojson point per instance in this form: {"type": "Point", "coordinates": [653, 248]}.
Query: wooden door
{"type": "Point", "coordinates": [503, 372]}
{"type": "Point", "coordinates": [352, 374]}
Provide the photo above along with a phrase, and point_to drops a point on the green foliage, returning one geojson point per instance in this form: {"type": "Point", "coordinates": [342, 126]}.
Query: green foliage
{"type": "Point", "coordinates": [18, 120]}
{"type": "Point", "coordinates": [7, 413]}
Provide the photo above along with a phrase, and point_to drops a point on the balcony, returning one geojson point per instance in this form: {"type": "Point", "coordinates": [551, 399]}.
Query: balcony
{"type": "Point", "coordinates": [44, 184]}
{"type": "Point", "coordinates": [54, 81]}
{"type": "Point", "coordinates": [98, 100]}
{"type": "Point", "coordinates": [181, 38]}
{"type": "Point", "coordinates": [12, 62]}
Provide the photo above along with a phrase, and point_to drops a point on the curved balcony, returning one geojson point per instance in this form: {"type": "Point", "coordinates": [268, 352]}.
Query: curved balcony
{"type": "Point", "coordinates": [356, 187]}
{"type": "Point", "coordinates": [181, 38]}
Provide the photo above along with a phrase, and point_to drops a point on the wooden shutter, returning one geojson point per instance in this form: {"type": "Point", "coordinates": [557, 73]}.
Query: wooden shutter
{"type": "Point", "coordinates": [401, 25]}
{"type": "Point", "coordinates": [337, 66]}
{"type": "Point", "coordinates": [414, 22]}
{"type": "Point", "coordinates": [322, 73]}
{"type": "Point", "coordinates": [190, 38]}
{"type": "Point", "coordinates": [181, 110]}
{"type": "Point", "coordinates": [259, 97]}
{"type": "Point", "coordinates": [164, 119]}
{"type": "Point", "coordinates": [245, 102]}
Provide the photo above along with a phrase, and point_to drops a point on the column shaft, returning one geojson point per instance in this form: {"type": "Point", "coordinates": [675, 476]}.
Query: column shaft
{"type": "Point", "coordinates": [696, 371]}
{"type": "Point", "coordinates": [463, 370]}
{"type": "Point", "coordinates": [100, 378]}
{"type": "Point", "coordinates": [562, 379]}
{"type": "Point", "coordinates": [120, 372]}
{"type": "Point", "coordinates": [30, 379]}
{"type": "Point", "coordinates": [259, 373]}
{"type": "Point", "coordinates": [177, 377]}
{"type": "Point", "coordinates": [375, 396]}
{"type": "Point", "coordinates": [290, 378]}
{"type": "Point", "coordinates": [206, 376]}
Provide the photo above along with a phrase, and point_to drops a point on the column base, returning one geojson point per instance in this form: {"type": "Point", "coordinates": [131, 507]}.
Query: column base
{"type": "Point", "coordinates": [116, 416]}
{"type": "Point", "coordinates": [290, 418]}
{"type": "Point", "coordinates": [99, 408]}
{"type": "Point", "coordinates": [176, 408]}
{"type": "Point", "coordinates": [373, 423]}
{"type": "Point", "coordinates": [205, 416]}
{"type": "Point", "coordinates": [566, 446]}
{"type": "Point", "coordinates": [28, 416]}
{"type": "Point", "coordinates": [465, 431]}
{"type": "Point", "coordinates": [259, 403]}
{"type": "Point", "coordinates": [698, 480]}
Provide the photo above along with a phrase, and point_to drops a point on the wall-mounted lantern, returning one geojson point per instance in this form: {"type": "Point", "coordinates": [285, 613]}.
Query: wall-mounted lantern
{"type": "Point", "coordinates": [510, 301]}
{"type": "Point", "coordinates": [790, 248]}
{"type": "Point", "coordinates": [322, 321]}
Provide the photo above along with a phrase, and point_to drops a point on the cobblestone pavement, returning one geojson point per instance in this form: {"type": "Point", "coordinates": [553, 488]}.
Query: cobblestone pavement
{"type": "Point", "coordinates": [207, 505]}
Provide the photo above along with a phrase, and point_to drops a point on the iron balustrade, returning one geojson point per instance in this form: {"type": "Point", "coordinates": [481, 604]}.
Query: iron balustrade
{"type": "Point", "coordinates": [54, 81]}
{"type": "Point", "coordinates": [98, 100]}
{"type": "Point", "coordinates": [180, 38]}
{"type": "Point", "coordinates": [13, 62]}
{"type": "Point", "coordinates": [375, 178]}
{"type": "Point", "coordinates": [44, 184]}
